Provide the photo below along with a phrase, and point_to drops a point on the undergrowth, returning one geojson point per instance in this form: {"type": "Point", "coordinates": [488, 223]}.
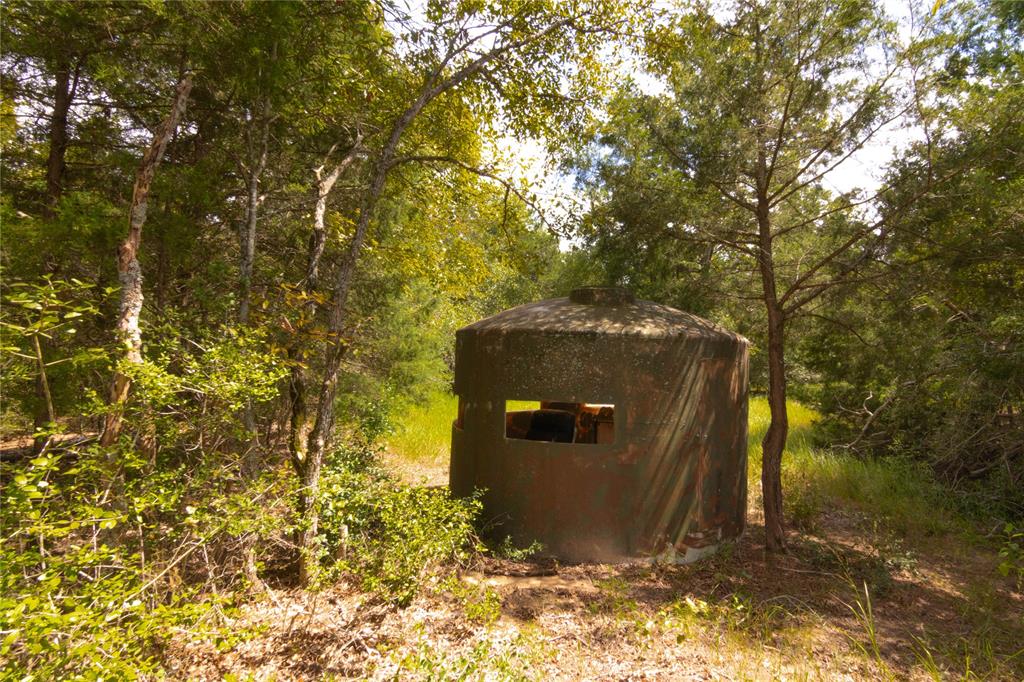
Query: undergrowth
{"type": "Point", "coordinates": [514, 661]}
{"type": "Point", "coordinates": [900, 492]}
{"type": "Point", "coordinates": [92, 590]}
{"type": "Point", "coordinates": [385, 533]}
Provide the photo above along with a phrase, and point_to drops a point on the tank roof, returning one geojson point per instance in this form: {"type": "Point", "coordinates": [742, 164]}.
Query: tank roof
{"type": "Point", "coordinates": [614, 312]}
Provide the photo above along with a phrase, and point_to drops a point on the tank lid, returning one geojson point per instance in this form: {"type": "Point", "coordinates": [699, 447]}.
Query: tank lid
{"type": "Point", "coordinates": [602, 296]}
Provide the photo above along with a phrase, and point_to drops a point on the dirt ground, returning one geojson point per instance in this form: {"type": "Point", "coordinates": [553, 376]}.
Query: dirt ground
{"type": "Point", "coordinates": [845, 603]}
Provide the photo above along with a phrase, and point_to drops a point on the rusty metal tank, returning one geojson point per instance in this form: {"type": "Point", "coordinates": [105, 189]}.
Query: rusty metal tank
{"type": "Point", "coordinates": [634, 442]}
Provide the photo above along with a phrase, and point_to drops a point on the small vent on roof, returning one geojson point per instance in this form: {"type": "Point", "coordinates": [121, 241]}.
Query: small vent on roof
{"type": "Point", "coordinates": [602, 296]}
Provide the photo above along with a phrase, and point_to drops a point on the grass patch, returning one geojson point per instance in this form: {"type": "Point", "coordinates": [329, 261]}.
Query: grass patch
{"type": "Point", "coordinates": [424, 430]}
{"type": "Point", "coordinates": [902, 493]}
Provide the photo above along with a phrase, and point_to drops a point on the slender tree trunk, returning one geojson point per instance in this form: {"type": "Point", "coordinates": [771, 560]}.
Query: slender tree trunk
{"type": "Point", "coordinates": [319, 436]}
{"type": "Point", "coordinates": [247, 236]}
{"type": "Point", "coordinates": [257, 163]}
{"type": "Point", "coordinates": [43, 412]}
{"type": "Point", "coordinates": [308, 469]}
{"type": "Point", "coordinates": [247, 249]}
{"type": "Point", "coordinates": [129, 271]}
{"type": "Point", "coordinates": [63, 95]}
{"type": "Point", "coordinates": [297, 388]}
{"type": "Point", "coordinates": [775, 438]}
{"type": "Point", "coordinates": [46, 399]}
{"type": "Point", "coordinates": [316, 443]}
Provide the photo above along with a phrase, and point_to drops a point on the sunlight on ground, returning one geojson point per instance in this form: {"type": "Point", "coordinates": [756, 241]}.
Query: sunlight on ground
{"type": "Point", "coordinates": [882, 580]}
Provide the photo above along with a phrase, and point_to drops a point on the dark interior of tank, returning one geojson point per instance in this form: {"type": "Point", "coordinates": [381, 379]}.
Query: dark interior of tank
{"type": "Point", "coordinates": [562, 422]}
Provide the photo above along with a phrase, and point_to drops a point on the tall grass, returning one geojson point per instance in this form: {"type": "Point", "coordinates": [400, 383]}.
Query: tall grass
{"type": "Point", "coordinates": [815, 479]}
{"type": "Point", "coordinates": [901, 492]}
{"type": "Point", "coordinates": [424, 430]}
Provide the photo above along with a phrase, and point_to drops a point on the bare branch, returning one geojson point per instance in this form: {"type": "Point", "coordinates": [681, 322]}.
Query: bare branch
{"type": "Point", "coordinates": [834, 137]}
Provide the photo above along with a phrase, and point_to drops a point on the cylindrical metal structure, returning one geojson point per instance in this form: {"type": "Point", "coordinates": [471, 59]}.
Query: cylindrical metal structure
{"type": "Point", "coordinates": [638, 448]}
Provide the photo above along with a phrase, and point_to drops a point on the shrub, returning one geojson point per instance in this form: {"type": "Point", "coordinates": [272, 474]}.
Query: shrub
{"type": "Point", "coordinates": [385, 533]}
{"type": "Point", "coordinates": [105, 551]}
{"type": "Point", "coordinates": [1011, 554]}
{"type": "Point", "coordinates": [90, 589]}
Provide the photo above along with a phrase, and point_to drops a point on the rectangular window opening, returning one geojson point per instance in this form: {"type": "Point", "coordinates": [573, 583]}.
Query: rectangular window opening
{"type": "Point", "coordinates": [555, 421]}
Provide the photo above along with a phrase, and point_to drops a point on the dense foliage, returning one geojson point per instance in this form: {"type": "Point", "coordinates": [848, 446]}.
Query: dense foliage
{"type": "Point", "coordinates": [314, 212]}
{"type": "Point", "coordinates": [897, 309]}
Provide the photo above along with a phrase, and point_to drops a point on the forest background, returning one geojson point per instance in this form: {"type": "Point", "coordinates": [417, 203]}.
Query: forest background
{"type": "Point", "coordinates": [238, 239]}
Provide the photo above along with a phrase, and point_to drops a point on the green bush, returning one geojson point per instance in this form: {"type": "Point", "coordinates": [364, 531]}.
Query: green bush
{"type": "Point", "coordinates": [104, 551]}
{"type": "Point", "coordinates": [1011, 554]}
{"type": "Point", "coordinates": [385, 533]}
{"type": "Point", "coordinates": [90, 589]}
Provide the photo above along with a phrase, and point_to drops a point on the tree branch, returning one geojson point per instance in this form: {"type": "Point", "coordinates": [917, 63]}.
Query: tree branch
{"type": "Point", "coordinates": [484, 173]}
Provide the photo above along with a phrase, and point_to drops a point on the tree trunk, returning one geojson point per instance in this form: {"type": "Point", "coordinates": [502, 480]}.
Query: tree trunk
{"type": "Point", "coordinates": [257, 163]}
{"type": "Point", "coordinates": [434, 86]}
{"type": "Point", "coordinates": [308, 469]}
{"type": "Point", "coordinates": [323, 425]}
{"type": "Point", "coordinates": [43, 413]}
{"type": "Point", "coordinates": [319, 436]}
{"type": "Point", "coordinates": [308, 535]}
{"type": "Point", "coordinates": [129, 272]}
{"type": "Point", "coordinates": [247, 256]}
{"type": "Point", "coordinates": [316, 443]}
{"type": "Point", "coordinates": [247, 236]}
{"type": "Point", "coordinates": [63, 95]}
{"type": "Point", "coordinates": [298, 427]}
{"type": "Point", "coordinates": [775, 438]}
{"type": "Point", "coordinates": [43, 393]}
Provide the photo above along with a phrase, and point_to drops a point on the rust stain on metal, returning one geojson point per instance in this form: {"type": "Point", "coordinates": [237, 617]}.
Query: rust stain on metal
{"type": "Point", "coordinates": [639, 446]}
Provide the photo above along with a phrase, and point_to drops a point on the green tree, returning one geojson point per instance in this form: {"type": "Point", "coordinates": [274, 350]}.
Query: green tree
{"type": "Point", "coordinates": [73, 45]}
{"type": "Point", "coordinates": [466, 54]}
{"type": "Point", "coordinates": [935, 368]}
{"type": "Point", "coordinates": [764, 101]}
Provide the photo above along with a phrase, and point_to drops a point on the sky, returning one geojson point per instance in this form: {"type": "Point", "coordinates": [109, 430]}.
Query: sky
{"type": "Point", "coordinates": [526, 159]}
